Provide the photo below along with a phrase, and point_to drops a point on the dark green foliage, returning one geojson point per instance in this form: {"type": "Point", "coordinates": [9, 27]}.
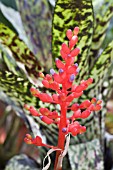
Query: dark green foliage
{"type": "Point", "coordinates": [67, 15]}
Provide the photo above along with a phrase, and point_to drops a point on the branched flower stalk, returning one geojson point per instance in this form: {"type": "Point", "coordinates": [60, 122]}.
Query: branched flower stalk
{"type": "Point", "coordinates": [65, 92]}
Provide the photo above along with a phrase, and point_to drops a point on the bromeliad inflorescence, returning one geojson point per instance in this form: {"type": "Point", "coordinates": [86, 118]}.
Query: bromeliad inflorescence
{"type": "Point", "coordinates": [65, 92]}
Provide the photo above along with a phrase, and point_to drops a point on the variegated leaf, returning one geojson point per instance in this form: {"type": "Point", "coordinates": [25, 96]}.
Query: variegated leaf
{"type": "Point", "coordinates": [37, 20]}
{"type": "Point", "coordinates": [67, 15]}
{"type": "Point", "coordinates": [20, 51]}
{"type": "Point", "coordinates": [102, 21]}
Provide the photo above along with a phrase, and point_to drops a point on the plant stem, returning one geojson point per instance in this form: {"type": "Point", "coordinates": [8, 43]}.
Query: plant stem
{"type": "Point", "coordinates": [61, 137]}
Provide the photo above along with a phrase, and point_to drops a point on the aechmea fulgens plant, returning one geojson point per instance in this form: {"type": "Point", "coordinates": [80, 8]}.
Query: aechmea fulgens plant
{"type": "Point", "coordinates": [65, 92]}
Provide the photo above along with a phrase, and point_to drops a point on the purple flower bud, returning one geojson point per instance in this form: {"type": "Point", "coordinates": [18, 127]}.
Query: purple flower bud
{"type": "Point", "coordinates": [41, 117]}
{"type": "Point", "coordinates": [61, 70]}
{"type": "Point", "coordinates": [64, 130]}
{"type": "Point", "coordinates": [76, 65]}
{"type": "Point", "coordinates": [77, 70]}
{"type": "Point", "coordinates": [72, 77]}
{"type": "Point", "coordinates": [52, 71]}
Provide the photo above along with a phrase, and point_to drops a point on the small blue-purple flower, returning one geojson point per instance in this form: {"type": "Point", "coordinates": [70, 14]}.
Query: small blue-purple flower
{"type": "Point", "coordinates": [61, 70]}
{"type": "Point", "coordinates": [64, 130]}
{"type": "Point", "coordinates": [76, 65]}
{"type": "Point", "coordinates": [72, 77]}
{"type": "Point", "coordinates": [41, 117]}
{"type": "Point", "coordinates": [52, 71]}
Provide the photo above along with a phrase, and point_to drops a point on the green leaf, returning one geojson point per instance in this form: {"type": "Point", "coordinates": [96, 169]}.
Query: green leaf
{"type": "Point", "coordinates": [14, 18]}
{"type": "Point", "coordinates": [100, 69]}
{"type": "Point", "coordinates": [5, 21]}
{"type": "Point", "coordinates": [102, 21]}
{"type": "Point", "coordinates": [10, 3]}
{"type": "Point", "coordinates": [10, 63]}
{"type": "Point", "coordinates": [20, 51]}
{"type": "Point", "coordinates": [37, 20]}
{"type": "Point", "coordinates": [67, 15]}
{"type": "Point", "coordinates": [82, 156]}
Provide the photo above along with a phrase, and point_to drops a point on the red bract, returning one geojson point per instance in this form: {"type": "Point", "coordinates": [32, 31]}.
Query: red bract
{"type": "Point", "coordinates": [62, 82]}
{"type": "Point", "coordinates": [33, 111]}
{"type": "Point", "coordinates": [59, 63]}
{"type": "Point", "coordinates": [45, 97]}
{"type": "Point", "coordinates": [75, 52]}
{"type": "Point", "coordinates": [76, 30]}
{"type": "Point", "coordinates": [37, 141]}
{"type": "Point", "coordinates": [77, 114]}
{"type": "Point", "coordinates": [46, 120]}
{"type": "Point", "coordinates": [65, 48]}
{"type": "Point", "coordinates": [73, 41]}
{"type": "Point", "coordinates": [69, 34]}
{"type": "Point", "coordinates": [75, 107]}
{"type": "Point", "coordinates": [85, 114]}
{"type": "Point", "coordinates": [85, 104]}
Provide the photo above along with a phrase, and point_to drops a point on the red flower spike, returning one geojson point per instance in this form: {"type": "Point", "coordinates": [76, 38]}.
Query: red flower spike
{"type": "Point", "coordinates": [70, 98]}
{"type": "Point", "coordinates": [91, 107]}
{"type": "Point", "coordinates": [54, 115]}
{"type": "Point", "coordinates": [49, 78]}
{"type": "Point", "coordinates": [82, 129]}
{"type": "Point", "coordinates": [85, 104]}
{"type": "Point", "coordinates": [69, 34]}
{"type": "Point", "coordinates": [93, 100]}
{"type": "Point", "coordinates": [71, 69]}
{"type": "Point", "coordinates": [73, 41]}
{"type": "Point", "coordinates": [74, 131]}
{"type": "Point", "coordinates": [69, 60]}
{"type": "Point", "coordinates": [85, 114]}
{"type": "Point", "coordinates": [59, 64]}
{"type": "Point", "coordinates": [99, 101]}
{"type": "Point", "coordinates": [65, 48]}
{"type": "Point", "coordinates": [98, 107]}
{"type": "Point", "coordinates": [26, 106]}
{"type": "Point", "coordinates": [74, 128]}
{"type": "Point", "coordinates": [33, 111]}
{"type": "Point", "coordinates": [55, 98]}
{"type": "Point", "coordinates": [76, 30]}
{"type": "Point", "coordinates": [57, 78]}
{"type": "Point", "coordinates": [29, 136]}
{"type": "Point", "coordinates": [76, 95]}
{"type": "Point", "coordinates": [46, 120]}
{"type": "Point", "coordinates": [37, 141]}
{"type": "Point", "coordinates": [41, 75]}
{"type": "Point", "coordinates": [79, 88]}
{"type": "Point", "coordinates": [45, 83]}
{"type": "Point", "coordinates": [54, 86]}
{"type": "Point", "coordinates": [62, 97]}
{"type": "Point", "coordinates": [73, 87]}
{"type": "Point", "coordinates": [44, 111]}
{"type": "Point", "coordinates": [64, 55]}
{"type": "Point", "coordinates": [75, 52]}
{"type": "Point", "coordinates": [34, 91]}
{"type": "Point", "coordinates": [89, 81]}
{"type": "Point", "coordinates": [75, 107]}
{"type": "Point", "coordinates": [66, 92]}
{"type": "Point", "coordinates": [68, 84]}
{"type": "Point", "coordinates": [77, 114]}
{"type": "Point", "coordinates": [45, 97]}
{"type": "Point", "coordinates": [62, 74]}
{"type": "Point", "coordinates": [28, 139]}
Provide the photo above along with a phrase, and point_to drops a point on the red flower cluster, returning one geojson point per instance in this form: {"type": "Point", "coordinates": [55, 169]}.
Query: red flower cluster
{"type": "Point", "coordinates": [66, 91]}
